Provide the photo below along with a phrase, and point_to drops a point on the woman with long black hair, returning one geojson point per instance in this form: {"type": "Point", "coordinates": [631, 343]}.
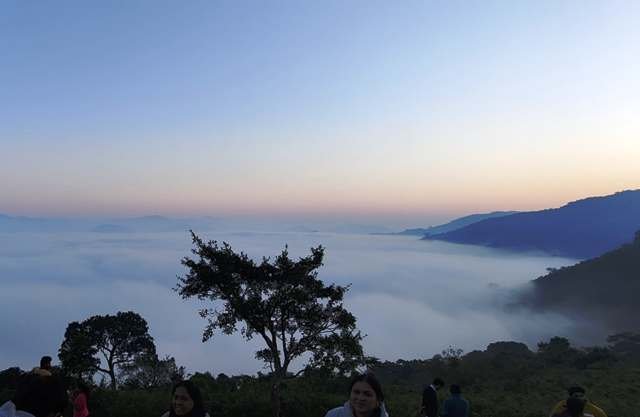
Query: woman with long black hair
{"type": "Point", "coordinates": [365, 399]}
{"type": "Point", "coordinates": [186, 401]}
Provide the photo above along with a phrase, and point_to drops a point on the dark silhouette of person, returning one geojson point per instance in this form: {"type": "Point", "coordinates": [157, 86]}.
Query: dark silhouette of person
{"type": "Point", "coordinates": [580, 393]}
{"type": "Point", "coordinates": [455, 405]}
{"type": "Point", "coordinates": [430, 398]}
{"type": "Point", "coordinates": [45, 367]}
{"type": "Point", "coordinates": [574, 407]}
{"type": "Point", "coordinates": [37, 396]}
{"type": "Point", "coordinates": [80, 399]}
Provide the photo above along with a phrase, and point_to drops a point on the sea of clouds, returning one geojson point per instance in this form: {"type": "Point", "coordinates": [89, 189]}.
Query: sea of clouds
{"type": "Point", "coordinates": [412, 298]}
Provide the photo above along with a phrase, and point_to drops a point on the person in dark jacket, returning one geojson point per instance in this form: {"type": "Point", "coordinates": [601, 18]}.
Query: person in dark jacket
{"type": "Point", "coordinates": [430, 398]}
{"type": "Point", "coordinates": [574, 407]}
{"type": "Point", "coordinates": [578, 392]}
{"type": "Point", "coordinates": [455, 405]}
{"type": "Point", "coordinates": [36, 396]}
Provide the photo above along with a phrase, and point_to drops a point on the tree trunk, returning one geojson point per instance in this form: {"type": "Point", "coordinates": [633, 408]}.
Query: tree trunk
{"type": "Point", "coordinates": [112, 375]}
{"type": "Point", "coordinates": [275, 397]}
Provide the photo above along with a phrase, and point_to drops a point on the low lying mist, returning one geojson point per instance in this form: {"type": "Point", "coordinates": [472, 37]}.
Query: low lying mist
{"type": "Point", "coordinates": [412, 298]}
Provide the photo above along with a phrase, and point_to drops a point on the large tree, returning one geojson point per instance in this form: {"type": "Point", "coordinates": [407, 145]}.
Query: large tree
{"type": "Point", "coordinates": [105, 344]}
{"type": "Point", "coordinates": [281, 301]}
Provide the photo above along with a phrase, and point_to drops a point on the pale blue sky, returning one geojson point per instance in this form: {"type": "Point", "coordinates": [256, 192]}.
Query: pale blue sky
{"type": "Point", "coordinates": [326, 107]}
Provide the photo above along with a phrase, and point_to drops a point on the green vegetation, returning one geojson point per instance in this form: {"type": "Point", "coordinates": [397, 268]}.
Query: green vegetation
{"type": "Point", "coordinates": [504, 380]}
{"type": "Point", "coordinates": [602, 289]}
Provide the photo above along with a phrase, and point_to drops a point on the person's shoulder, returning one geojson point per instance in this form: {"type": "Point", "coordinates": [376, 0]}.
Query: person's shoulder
{"type": "Point", "coordinates": [166, 414]}
{"type": "Point", "coordinates": [8, 409]}
{"type": "Point", "coordinates": [336, 412]}
{"type": "Point", "coordinates": [40, 371]}
{"type": "Point", "coordinates": [559, 407]}
{"type": "Point", "coordinates": [591, 408]}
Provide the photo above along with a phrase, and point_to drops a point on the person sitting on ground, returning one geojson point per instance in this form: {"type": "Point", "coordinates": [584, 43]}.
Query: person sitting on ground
{"type": "Point", "coordinates": [455, 405]}
{"type": "Point", "coordinates": [45, 367]}
{"type": "Point", "coordinates": [578, 392]}
{"type": "Point", "coordinates": [365, 399]}
{"type": "Point", "coordinates": [430, 398]}
{"type": "Point", "coordinates": [80, 400]}
{"type": "Point", "coordinates": [186, 401]}
{"type": "Point", "coordinates": [36, 396]}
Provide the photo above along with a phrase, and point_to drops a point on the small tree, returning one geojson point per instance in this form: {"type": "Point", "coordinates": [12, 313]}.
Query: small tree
{"type": "Point", "coordinates": [105, 344]}
{"type": "Point", "coordinates": [557, 351]}
{"type": "Point", "coordinates": [452, 355]}
{"type": "Point", "coordinates": [149, 371]}
{"type": "Point", "coordinates": [283, 302]}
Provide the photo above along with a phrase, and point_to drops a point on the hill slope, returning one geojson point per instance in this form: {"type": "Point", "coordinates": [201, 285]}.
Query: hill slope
{"type": "Point", "coordinates": [605, 288]}
{"type": "Point", "coordinates": [454, 224]}
{"type": "Point", "coordinates": [581, 229]}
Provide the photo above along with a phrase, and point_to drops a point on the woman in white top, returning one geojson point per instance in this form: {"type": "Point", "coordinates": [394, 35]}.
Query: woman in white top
{"type": "Point", "coordinates": [365, 399]}
{"type": "Point", "coordinates": [186, 401]}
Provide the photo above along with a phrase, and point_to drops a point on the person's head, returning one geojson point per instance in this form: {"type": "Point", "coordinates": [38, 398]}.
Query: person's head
{"type": "Point", "coordinates": [41, 396]}
{"type": "Point", "coordinates": [45, 362]}
{"type": "Point", "coordinates": [438, 383]}
{"type": "Point", "coordinates": [575, 406]}
{"type": "Point", "coordinates": [576, 391]}
{"type": "Point", "coordinates": [186, 400]}
{"type": "Point", "coordinates": [455, 389]}
{"type": "Point", "coordinates": [365, 395]}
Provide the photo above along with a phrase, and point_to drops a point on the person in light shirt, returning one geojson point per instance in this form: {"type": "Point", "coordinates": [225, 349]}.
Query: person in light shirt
{"type": "Point", "coordinates": [365, 399]}
{"type": "Point", "coordinates": [45, 367]}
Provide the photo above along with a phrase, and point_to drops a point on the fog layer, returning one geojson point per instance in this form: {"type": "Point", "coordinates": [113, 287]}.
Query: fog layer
{"type": "Point", "coordinates": [411, 298]}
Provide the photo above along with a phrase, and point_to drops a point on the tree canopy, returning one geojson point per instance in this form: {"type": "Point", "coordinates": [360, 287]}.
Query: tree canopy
{"type": "Point", "coordinates": [281, 301]}
{"type": "Point", "coordinates": [105, 344]}
{"type": "Point", "coordinates": [149, 371]}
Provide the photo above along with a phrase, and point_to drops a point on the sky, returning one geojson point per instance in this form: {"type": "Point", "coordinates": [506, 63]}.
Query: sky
{"type": "Point", "coordinates": [365, 109]}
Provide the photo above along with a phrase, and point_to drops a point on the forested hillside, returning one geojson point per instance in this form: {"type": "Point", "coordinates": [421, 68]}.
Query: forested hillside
{"type": "Point", "coordinates": [603, 289]}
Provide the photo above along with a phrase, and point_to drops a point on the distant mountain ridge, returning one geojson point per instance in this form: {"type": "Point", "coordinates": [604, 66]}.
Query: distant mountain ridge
{"type": "Point", "coordinates": [14, 224]}
{"type": "Point", "coordinates": [453, 224]}
{"type": "Point", "coordinates": [465, 221]}
{"type": "Point", "coordinates": [581, 229]}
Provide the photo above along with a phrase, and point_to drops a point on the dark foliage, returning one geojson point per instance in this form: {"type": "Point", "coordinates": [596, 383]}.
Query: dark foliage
{"type": "Point", "coordinates": [105, 344]}
{"type": "Point", "coordinates": [281, 301]}
{"type": "Point", "coordinates": [149, 371]}
{"type": "Point", "coordinates": [506, 380]}
{"type": "Point", "coordinates": [603, 289]}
